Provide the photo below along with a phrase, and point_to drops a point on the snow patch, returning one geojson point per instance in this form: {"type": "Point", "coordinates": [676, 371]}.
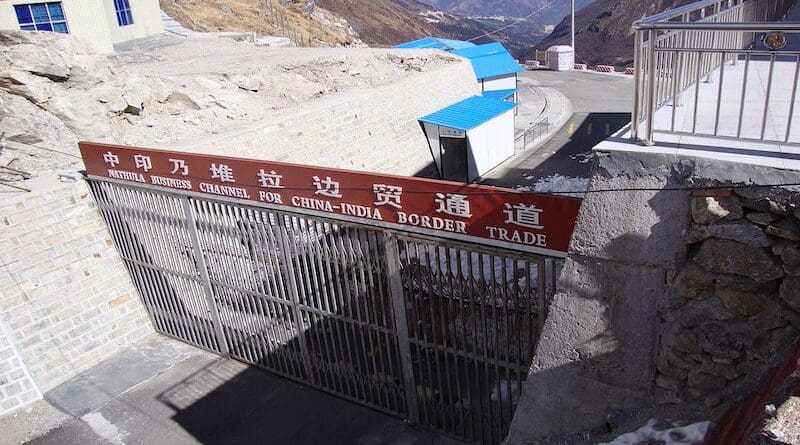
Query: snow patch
{"type": "Point", "coordinates": [104, 428]}
{"type": "Point", "coordinates": [678, 435]}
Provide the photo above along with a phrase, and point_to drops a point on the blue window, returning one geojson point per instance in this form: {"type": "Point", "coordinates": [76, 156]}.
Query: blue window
{"type": "Point", "coordinates": [42, 17]}
{"type": "Point", "coordinates": [124, 15]}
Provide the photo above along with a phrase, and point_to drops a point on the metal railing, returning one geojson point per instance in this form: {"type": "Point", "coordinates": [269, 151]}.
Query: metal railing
{"type": "Point", "coordinates": [679, 49]}
{"type": "Point", "coordinates": [531, 135]}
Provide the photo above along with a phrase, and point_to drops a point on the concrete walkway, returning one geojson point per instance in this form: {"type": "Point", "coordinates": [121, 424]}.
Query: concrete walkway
{"type": "Point", "coordinates": [165, 392]}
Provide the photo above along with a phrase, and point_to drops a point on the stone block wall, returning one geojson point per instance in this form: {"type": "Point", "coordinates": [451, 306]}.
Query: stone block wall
{"type": "Point", "coordinates": [740, 290]}
{"type": "Point", "coordinates": [67, 301]}
{"type": "Point", "coordinates": [371, 130]}
{"type": "Point", "coordinates": [17, 387]}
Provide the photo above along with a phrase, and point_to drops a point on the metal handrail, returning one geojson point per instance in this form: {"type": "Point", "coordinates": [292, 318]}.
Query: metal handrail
{"type": "Point", "coordinates": [672, 56]}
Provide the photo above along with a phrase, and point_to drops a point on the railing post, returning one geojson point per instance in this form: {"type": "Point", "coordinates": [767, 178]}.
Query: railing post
{"type": "Point", "coordinates": [208, 290]}
{"type": "Point", "coordinates": [637, 82]}
{"type": "Point", "coordinates": [651, 86]}
{"type": "Point", "coordinates": [393, 268]}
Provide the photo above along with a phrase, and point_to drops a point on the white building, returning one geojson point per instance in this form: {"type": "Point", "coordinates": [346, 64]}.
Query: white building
{"type": "Point", "coordinates": [101, 23]}
{"type": "Point", "coordinates": [471, 137]}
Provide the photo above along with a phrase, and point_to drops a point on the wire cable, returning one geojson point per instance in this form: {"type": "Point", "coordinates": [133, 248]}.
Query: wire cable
{"type": "Point", "coordinates": [513, 24]}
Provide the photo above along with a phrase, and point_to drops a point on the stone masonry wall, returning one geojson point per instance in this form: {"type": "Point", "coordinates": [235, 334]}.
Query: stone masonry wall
{"type": "Point", "coordinates": [741, 296]}
{"type": "Point", "coordinates": [67, 301]}
{"type": "Point", "coordinates": [672, 302]}
{"type": "Point", "coordinates": [17, 387]}
{"type": "Point", "coordinates": [372, 130]}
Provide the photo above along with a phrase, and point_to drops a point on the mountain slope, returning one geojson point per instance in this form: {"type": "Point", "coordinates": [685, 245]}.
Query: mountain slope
{"type": "Point", "coordinates": [605, 29]}
{"type": "Point", "coordinates": [380, 22]}
{"type": "Point", "coordinates": [551, 13]}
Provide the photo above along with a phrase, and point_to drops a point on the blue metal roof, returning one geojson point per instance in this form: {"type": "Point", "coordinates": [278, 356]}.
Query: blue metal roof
{"type": "Point", "coordinates": [435, 43]}
{"type": "Point", "coordinates": [468, 113]}
{"type": "Point", "coordinates": [499, 94]}
{"type": "Point", "coordinates": [490, 60]}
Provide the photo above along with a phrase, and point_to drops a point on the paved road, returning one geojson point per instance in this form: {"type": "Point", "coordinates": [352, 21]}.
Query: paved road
{"type": "Point", "coordinates": [601, 104]}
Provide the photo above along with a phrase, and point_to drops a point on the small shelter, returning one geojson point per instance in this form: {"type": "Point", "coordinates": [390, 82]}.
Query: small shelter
{"type": "Point", "coordinates": [471, 137]}
{"type": "Point", "coordinates": [495, 68]}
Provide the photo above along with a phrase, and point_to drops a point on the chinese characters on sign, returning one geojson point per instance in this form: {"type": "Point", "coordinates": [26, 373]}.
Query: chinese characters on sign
{"type": "Point", "coordinates": [505, 218]}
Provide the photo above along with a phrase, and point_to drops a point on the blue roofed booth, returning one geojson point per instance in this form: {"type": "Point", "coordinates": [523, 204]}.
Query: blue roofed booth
{"type": "Point", "coordinates": [471, 137]}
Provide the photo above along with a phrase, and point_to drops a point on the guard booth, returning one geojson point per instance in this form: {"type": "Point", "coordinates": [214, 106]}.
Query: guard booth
{"type": "Point", "coordinates": [470, 138]}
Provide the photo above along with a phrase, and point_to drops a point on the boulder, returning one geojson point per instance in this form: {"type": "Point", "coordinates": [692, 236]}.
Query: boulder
{"type": "Point", "coordinates": [87, 119]}
{"type": "Point", "coordinates": [725, 340]}
{"type": "Point", "coordinates": [741, 231]}
{"type": "Point", "coordinates": [790, 292]}
{"type": "Point", "coordinates": [762, 219]}
{"type": "Point", "coordinates": [706, 210]}
{"type": "Point", "coordinates": [734, 258]}
{"type": "Point", "coordinates": [183, 99]}
{"type": "Point", "coordinates": [787, 228]}
{"type": "Point", "coordinates": [112, 97]}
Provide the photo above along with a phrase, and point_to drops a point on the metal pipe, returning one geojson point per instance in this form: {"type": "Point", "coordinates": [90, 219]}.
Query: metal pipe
{"type": "Point", "coordinates": [651, 88]}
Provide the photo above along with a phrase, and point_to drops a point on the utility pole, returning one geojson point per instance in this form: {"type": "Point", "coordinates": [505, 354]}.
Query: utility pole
{"type": "Point", "coordinates": [572, 26]}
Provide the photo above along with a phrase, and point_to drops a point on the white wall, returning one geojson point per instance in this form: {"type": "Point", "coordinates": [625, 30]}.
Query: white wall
{"type": "Point", "coordinates": [491, 144]}
{"type": "Point", "coordinates": [86, 20]}
{"type": "Point", "coordinates": [500, 83]}
{"type": "Point", "coordinates": [146, 20]}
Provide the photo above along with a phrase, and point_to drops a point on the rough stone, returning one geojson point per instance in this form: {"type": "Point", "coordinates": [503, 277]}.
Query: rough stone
{"type": "Point", "coordinates": [708, 210]}
{"type": "Point", "coordinates": [112, 97]}
{"type": "Point", "coordinates": [667, 397]}
{"type": "Point", "coordinates": [705, 383]}
{"type": "Point", "coordinates": [790, 292]}
{"type": "Point", "coordinates": [697, 233]}
{"type": "Point", "coordinates": [797, 213]}
{"type": "Point", "coordinates": [695, 283]}
{"type": "Point", "coordinates": [740, 231]}
{"type": "Point", "coordinates": [668, 365]}
{"type": "Point", "coordinates": [184, 99]}
{"type": "Point", "coordinates": [85, 119]}
{"type": "Point", "coordinates": [791, 255]}
{"type": "Point", "coordinates": [665, 382]}
{"type": "Point", "coordinates": [762, 219]}
{"type": "Point", "coordinates": [731, 257]}
{"type": "Point", "coordinates": [787, 228]}
{"type": "Point", "coordinates": [744, 296]}
{"type": "Point", "coordinates": [766, 199]}
{"type": "Point", "coordinates": [724, 340]}
{"type": "Point", "coordinates": [697, 312]}
{"type": "Point", "coordinates": [247, 83]}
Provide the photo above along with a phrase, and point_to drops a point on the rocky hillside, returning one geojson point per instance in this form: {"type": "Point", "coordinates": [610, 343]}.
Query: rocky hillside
{"type": "Point", "coordinates": [380, 22]}
{"type": "Point", "coordinates": [55, 90]}
{"type": "Point", "coordinates": [604, 29]}
{"type": "Point", "coordinates": [304, 22]}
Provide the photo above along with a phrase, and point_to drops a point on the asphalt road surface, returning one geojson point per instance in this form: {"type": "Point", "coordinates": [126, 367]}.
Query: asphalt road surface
{"type": "Point", "coordinates": [602, 105]}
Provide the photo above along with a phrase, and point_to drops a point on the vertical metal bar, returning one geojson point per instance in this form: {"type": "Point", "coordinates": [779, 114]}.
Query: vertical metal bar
{"type": "Point", "coordinates": [766, 100]}
{"type": "Point", "coordinates": [651, 87]}
{"type": "Point", "coordinates": [393, 268]}
{"type": "Point", "coordinates": [744, 94]}
{"type": "Point", "coordinates": [794, 97]}
{"type": "Point", "coordinates": [675, 92]}
{"type": "Point", "coordinates": [294, 296]}
{"type": "Point", "coordinates": [201, 265]}
{"type": "Point", "coordinates": [719, 94]}
{"type": "Point", "coordinates": [697, 91]}
{"type": "Point", "coordinates": [638, 82]}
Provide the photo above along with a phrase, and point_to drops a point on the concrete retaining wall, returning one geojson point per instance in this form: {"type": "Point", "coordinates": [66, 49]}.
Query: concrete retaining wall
{"type": "Point", "coordinates": [371, 130]}
{"type": "Point", "coordinates": [67, 301]}
{"type": "Point", "coordinates": [630, 336]}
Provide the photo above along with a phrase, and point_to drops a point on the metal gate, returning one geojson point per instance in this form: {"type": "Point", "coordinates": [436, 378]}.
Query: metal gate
{"type": "Point", "coordinates": [439, 333]}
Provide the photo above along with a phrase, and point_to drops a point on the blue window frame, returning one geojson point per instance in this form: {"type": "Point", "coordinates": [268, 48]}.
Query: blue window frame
{"type": "Point", "coordinates": [124, 14]}
{"type": "Point", "coordinates": [42, 17]}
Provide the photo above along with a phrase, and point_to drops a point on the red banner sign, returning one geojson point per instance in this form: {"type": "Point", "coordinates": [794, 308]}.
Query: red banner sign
{"type": "Point", "coordinates": [505, 218]}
